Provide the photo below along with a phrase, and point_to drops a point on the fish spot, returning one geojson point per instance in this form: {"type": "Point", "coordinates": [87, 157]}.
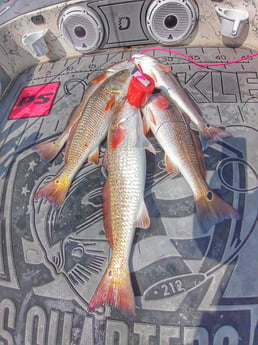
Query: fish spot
{"type": "Point", "coordinates": [208, 125]}
{"type": "Point", "coordinates": [57, 181]}
{"type": "Point", "coordinates": [209, 195]}
{"type": "Point", "coordinates": [110, 273]}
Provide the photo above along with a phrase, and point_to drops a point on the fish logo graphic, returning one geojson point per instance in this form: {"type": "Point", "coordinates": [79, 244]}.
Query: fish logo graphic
{"type": "Point", "coordinates": [69, 245]}
{"type": "Point", "coordinates": [72, 250]}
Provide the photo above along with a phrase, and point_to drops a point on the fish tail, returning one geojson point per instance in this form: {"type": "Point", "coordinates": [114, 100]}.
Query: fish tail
{"type": "Point", "coordinates": [55, 191]}
{"type": "Point", "coordinates": [48, 151]}
{"type": "Point", "coordinates": [211, 210]}
{"type": "Point", "coordinates": [211, 134]}
{"type": "Point", "coordinates": [114, 289]}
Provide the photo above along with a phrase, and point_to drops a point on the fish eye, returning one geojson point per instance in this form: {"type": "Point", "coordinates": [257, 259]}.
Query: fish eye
{"type": "Point", "coordinates": [209, 195]}
{"type": "Point", "coordinates": [77, 252]}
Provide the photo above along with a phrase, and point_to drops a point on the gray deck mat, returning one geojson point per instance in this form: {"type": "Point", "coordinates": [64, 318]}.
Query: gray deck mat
{"type": "Point", "coordinates": [190, 287]}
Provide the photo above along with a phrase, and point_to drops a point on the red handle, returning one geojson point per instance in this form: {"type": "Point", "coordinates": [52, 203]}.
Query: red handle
{"type": "Point", "coordinates": [140, 90]}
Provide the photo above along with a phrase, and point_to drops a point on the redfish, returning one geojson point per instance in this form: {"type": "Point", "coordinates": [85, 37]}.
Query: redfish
{"type": "Point", "coordinates": [183, 153]}
{"type": "Point", "coordinates": [170, 86]}
{"type": "Point", "coordinates": [87, 133]}
{"type": "Point", "coordinates": [49, 150]}
{"type": "Point", "coordinates": [123, 205]}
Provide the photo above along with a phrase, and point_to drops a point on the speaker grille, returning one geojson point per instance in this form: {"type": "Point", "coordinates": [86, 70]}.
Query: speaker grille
{"type": "Point", "coordinates": [170, 21]}
{"type": "Point", "coordinates": [82, 29]}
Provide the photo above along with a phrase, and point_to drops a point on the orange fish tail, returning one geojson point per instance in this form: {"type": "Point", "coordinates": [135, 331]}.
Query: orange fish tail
{"type": "Point", "coordinates": [212, 210]}
{"type": "Point", "coordinates": [114, 289]}
{"type": "Point", "coordinates": [55, 191]}
{"type": "Point", "coordinates": [211, 134]}
{"type": "Point", "coordinates": [48, 151]}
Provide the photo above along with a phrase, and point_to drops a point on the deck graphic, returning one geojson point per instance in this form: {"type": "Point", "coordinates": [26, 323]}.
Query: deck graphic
{"type": "Point", "coordinates": [190, 287]}
{"type": "Point", "coordinates": [34, 101]}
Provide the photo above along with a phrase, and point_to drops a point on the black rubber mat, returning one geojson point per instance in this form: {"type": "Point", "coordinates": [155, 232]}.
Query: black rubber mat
{"type": "Point", "coordinates": [190, 288]}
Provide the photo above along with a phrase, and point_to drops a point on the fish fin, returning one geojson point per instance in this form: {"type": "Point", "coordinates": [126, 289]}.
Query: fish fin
{"type": "Point", "coordinates": [142, 141]}
{"type": "Point", "coordinates": [199, 152]}
{"type": "Point", "coordinates": [99, 78]}
{"type": "Point", "coordinates": [94, 156]}
{"type": "Point", "coordinates": [119, 66]}
{"type": "Point", "coordinates": [146, 126]}
{"type": "Point", "coordinates": [164, 68]}
{"type": "Point", "coordinates": [114, 289]}
{"type": "Point", "coordinates": [69, 141]}
{"type": "Point", "coordinates": [74, 116]}
{"type": "Point", "coordinates": [211, 210]}
{"type": "Point", "coordinates": [107, 213]}
{"type": "Point", "coordinates": [55, 191]}
{"type": "Point", "coordinates": [143, 220]}
{"type": "Point", "coordinates": [148, 146]}
{"type": "Point", "coordinates": [170, 166]}
{"type": "Point", "coordinates": [161, 102]}
{"type": "Point", "coordinates": [110, 104]}
{"type": "Point", "coordinates": [152, 118]}
{"type": "Point", "coordinates": [187, 118]}
{"type": "Point", "coordinates": [118, 137]}
{"type": "Point", "coordinates": [211, 134]}
{"type": "Point", "coordinates": [48, 151]}
{"type": "Point", "coordinates": [104, 160]}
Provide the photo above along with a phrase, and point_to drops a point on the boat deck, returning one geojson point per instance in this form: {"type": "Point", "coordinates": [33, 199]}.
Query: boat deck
{"type": "Point", "coordinates": [190, 286]}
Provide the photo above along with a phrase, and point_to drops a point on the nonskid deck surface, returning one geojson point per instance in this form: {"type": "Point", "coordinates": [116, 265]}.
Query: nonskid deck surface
{"type": "Point", "coordinates": [189, 286]}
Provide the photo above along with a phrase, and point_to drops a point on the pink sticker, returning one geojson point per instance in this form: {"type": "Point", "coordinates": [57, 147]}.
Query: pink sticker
{"type": "Point", "coordinates": [35, 101]}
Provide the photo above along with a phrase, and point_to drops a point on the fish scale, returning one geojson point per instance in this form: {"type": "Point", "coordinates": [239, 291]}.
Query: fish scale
{"type": "Point", "coordinates": [91, 127]}
{"type": "Point", "coordinates": [123, 205]}
{"type": "Point", "coordinates": [123, 192]}
{"type": "Point", "coordinates": [88, 132]}
{"type": "Point", "coordinates": [170, 86]}
{"type": "Point", "coordinates": [178, 138]}
{"type": "Point", "coordinates": [183, 153]}
{"type": "Point", "coordinates": [124, 174]}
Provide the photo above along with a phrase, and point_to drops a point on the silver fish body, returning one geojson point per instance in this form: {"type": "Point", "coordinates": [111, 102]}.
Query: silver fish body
{"type": "Point", "coordinates": [49, 150]}
{"type": "Point", "coordinates": [170, 86]}
{"type": "Point", "coordinates": [174, 135]}
{"type": "Point", "coordinates": [183, 153]}
{"type": "Point", "coordinates": [126, 165]}
{"type": "Point", "coordinates": [124, 207]}
{"type": "Point", "coordinates": [87, 132]}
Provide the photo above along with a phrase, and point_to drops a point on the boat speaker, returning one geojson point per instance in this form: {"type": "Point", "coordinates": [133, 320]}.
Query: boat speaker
{"type": "Point", "coordinates": [171, 21]}
{"type": "Point", "coordinates": [81, 28]}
